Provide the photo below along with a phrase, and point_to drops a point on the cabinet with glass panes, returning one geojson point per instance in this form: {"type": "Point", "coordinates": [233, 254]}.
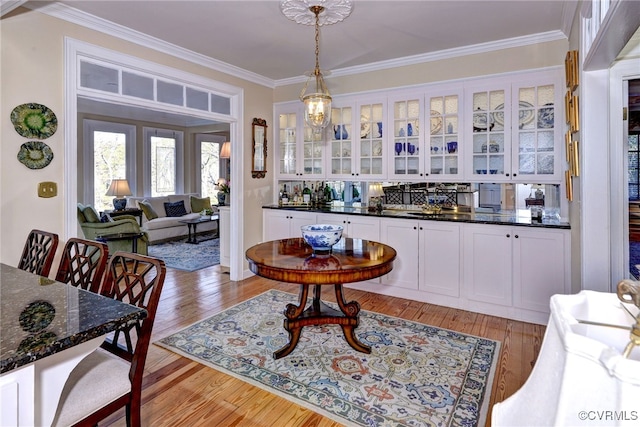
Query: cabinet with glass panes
{"type": "Point", "coordinates": [406, 146]}
{"type": "Point", "coordinates": [513, 132]}
{"type": "Point", "coordinates": [370, 156]}
{"type": "Point", "coordinates": [340, 135]}
{"type": "Point", "coordinates": [445, 144]}
{"type": "Point", "coordinates": [300, 151]}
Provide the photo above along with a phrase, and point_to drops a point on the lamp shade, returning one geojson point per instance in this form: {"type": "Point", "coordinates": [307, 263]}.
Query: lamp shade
{"type": "Point", "coordinates": [375, 190]}
{"type": "Point", "coordinates": [119, 188]}
{"type": "Point", "coordinates": [225, 151]}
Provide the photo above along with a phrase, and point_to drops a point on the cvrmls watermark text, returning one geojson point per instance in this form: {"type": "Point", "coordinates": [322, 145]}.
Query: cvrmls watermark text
{"type": "Point", "coordinates": [608, 415]}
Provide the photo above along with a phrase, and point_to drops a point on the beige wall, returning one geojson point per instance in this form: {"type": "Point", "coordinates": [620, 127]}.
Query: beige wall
{"type": "Point", "coordinates": [513, 59]}
{"type": "Point", "coordinates": [32, 70]}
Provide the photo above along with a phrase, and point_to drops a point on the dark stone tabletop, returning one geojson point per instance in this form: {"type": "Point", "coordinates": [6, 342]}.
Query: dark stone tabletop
{"type": "Point", "coordinates": [40, 317]}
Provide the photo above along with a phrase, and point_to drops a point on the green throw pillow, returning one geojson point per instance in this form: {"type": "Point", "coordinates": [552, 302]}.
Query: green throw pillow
{"type": "Point", "coordinates": [199, 204]}
{"type": "Point", "coordinates": [90, 214]}
{"type": "Point", "coordinates": [148, 210]}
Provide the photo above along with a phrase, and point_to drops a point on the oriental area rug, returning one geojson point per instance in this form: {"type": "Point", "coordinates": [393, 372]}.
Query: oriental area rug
{"type": "Point", "coordinates": [416, 374]}
{"type": "Point", "coordinates": [187, 256]}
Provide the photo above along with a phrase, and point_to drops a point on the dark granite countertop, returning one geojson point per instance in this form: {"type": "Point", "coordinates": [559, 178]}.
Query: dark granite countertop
{"type": "Point", "coordinates": [40, 317]}
{"type": "Point", "coordinates": [503, 218]}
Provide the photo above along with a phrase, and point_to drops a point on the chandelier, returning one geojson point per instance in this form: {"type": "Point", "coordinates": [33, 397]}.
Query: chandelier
{"type": "Point", "coordinates": [317, 104]}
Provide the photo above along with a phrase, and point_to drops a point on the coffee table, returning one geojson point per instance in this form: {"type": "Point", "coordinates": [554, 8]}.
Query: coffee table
{"type": "Point", "coordinates": [122, 236]}
{"type": "Point", "coordinates": [193, 223]}
{"type": "Point", "coordinates": [293, 261]}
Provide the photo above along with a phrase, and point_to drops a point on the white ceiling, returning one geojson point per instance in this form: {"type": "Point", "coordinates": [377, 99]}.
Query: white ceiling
{"type": "Point", "coordinates": [256, 36]}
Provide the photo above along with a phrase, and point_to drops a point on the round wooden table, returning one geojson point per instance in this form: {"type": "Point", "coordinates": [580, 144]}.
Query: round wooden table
{"type": "Point", "coordinates": [293, 261]}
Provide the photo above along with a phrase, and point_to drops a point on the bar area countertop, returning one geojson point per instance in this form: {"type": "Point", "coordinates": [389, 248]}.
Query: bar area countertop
{"type": "Point", "coordinates": [40, 317]}
{"type": "Point", "coordinates": [518, 218]}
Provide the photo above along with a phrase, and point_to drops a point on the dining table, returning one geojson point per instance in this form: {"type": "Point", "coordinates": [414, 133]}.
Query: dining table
{"type": "Point", "coordinates": [294, 261]}
{"type": "Point", "coordinates": [46, 329]}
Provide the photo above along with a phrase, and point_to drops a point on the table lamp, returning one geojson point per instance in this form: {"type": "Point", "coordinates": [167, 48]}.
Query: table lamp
{"type": "Point", "coordinates": [376, 193]}
{"type": "Point", "coordinates": [225, 151]}
{"type": "Point", "coordinates": [119, 188]}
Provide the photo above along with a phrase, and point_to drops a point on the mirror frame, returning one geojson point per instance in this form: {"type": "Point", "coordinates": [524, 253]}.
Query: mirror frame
{"type": "Point", "coordinates": [259, 128]}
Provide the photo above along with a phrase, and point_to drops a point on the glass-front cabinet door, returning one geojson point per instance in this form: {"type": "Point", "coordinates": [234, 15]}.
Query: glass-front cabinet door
{"type": "Point", "coordinates": [445, 141]}
{"type": "Point", "coordinates": [491, 133]}
{"type": "Point", "coordinates": [536, 139]}
{"type": "Point", "coordinates": [405, 143]}
{"type": "Point", "coordinates": [287, 144]}
{"type": "Point", "coordinates": [341, 137]}
{"type": "Point", "coordinates": [300, 151]}
{"type": "Point", "coordinates": [370, 153]}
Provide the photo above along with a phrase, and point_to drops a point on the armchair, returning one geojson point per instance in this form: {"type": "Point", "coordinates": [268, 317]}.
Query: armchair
{"type": "Point", "coordinates": [92, 228]}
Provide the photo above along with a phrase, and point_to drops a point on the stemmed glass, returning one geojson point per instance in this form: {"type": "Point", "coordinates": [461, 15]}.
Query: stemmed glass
{"type": "Point", "coordinates": [398, 148]}
{"type": "Point", "coordinates": [412, 149]}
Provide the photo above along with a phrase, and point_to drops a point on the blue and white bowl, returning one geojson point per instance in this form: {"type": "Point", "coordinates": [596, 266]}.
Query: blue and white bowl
{"type": "Point", "coordinates": [321, 237]}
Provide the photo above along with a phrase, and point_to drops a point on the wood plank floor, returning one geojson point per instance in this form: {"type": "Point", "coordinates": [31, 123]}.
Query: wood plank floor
{"type": "Point", "coordinates": [179, 392]}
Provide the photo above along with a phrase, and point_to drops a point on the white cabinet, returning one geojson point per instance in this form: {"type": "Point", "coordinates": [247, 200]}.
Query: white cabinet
{"type": "Point", "coordinates": [406, 145]}
{"type": "Point", "coordinates": [487, 263]}
{"type": "Point", "coordinates": [439, 268]}
{"type": "Point", "coordinates": [512, 129]}
{"type": "Point", "coordinates": [300, 152]}
{"type": "Point", "coordinates": [428, 255]}
{"type": "Point", "coordinates": [445, 145]}
{"type": "Point", "coordinates": [355, 227]}
{"type": "Point", "coordinates": [224, 232]}
{"type": "Point", "coordinates": [356, 140]}
{"type": "Point", "coordinates": [402, 235]}
{"type": "Point", "coordinates": [518, 267]}
{"type": "Point", "coordinates": [541, 262]}
{"type": "Point", "coordinates": [284, 224]}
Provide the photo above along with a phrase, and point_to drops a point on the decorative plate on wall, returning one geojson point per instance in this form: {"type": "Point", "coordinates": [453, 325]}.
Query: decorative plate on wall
{"type": "Point", "coordinates": [35, 154]}
{"type": "Point", "coordinates": [34, 121]}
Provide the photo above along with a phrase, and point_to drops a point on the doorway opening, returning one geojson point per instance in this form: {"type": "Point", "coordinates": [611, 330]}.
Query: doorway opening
{"type": "Point", "coordinates": [633, 175]}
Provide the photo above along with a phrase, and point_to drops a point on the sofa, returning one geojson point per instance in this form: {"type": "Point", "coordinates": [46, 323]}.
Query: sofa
{"type": "Point", "coordinates": [93, 225]}
{"type": "Point", "coordinates": [161, 215]}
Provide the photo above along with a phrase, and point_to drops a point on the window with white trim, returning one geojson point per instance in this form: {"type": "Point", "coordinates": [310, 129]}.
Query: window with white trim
{"type": "Point", "coordinates": [163, 162]}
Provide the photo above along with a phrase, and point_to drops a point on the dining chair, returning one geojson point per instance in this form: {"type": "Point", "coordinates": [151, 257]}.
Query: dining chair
{"type": "Point", "coordinates": [83, 264]}
{"type": "Point", "coordinates": [38, 253]}
{"type": "Point", "coordinates": [111, 377]}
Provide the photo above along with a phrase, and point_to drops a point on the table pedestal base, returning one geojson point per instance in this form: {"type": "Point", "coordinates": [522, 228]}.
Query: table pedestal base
{"type": "Point", "coordinates": [318, 313]}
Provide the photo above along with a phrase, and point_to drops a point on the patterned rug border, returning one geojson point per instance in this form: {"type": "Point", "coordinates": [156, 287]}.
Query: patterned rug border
{"type": "Point", "coordinates": [482, 413]}
{"type": "Point", "coordinates": [173, 253]}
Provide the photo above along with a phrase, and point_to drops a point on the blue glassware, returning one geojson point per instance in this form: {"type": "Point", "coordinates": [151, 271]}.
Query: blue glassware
{"type": "Point", "coordinates": [398, 148]}
{"type": "Point", "coordinates": [379, 129]}
{"type": "Point", "coordinates": [345, 135]}
{"type": "Point", "coordinates": [409, 129]}
{"type": "Point", "coordinates": [411, 149]}
{"type": "Point", "coordinates": [401, 133]}
{"type": "Point", "coordinates": [336, 131]}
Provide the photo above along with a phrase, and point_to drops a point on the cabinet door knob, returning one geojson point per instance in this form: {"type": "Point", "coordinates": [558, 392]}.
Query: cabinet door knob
{"type": "Point", "coordinates": [516, 236]}
{"type": "Point", "coordinates": [508, 235]}
{"type": "Point", "coordinates": [506, 174]}
{"type": "Point", "coordinates": [415, 228]}
{"type": "Point", "coordinates": [515, 174]}
{"type": "Point", "coordinates": [420, 228]}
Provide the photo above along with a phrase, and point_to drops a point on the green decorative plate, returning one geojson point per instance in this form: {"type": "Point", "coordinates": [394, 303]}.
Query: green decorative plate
{"type": "Point", "coordinates": [35, 154]}
{"type": "Point", "coordinates": [34, 121]}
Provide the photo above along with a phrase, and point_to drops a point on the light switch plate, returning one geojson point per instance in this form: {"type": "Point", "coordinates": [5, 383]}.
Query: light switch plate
{"type": "Point", "coordinates": [47, 189]}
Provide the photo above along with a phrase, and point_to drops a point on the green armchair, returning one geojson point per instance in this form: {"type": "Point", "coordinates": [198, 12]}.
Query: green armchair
{"type": "Point", "coordinates": [92, 228]}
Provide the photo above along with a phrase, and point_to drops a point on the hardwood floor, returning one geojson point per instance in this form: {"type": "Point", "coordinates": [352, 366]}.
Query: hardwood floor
{"type": "Point", "coordinates": [179, 392]}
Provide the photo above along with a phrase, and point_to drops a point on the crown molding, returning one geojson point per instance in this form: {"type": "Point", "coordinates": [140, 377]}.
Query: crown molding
{"type": "Point", "coordinates": [92, 22]}
{"type": "Point", "coordinates": [435, 56]}
{"type": "Point", "coordinates": [7, 6]}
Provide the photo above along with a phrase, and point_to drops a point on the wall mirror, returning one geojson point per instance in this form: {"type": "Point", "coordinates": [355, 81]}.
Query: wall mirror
{"type": "Point", "coordinates": [259, 157]}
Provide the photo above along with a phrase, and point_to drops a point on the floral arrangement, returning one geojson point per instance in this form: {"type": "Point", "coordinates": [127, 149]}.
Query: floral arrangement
{"type": "Point", "coordinates": [224, 185]}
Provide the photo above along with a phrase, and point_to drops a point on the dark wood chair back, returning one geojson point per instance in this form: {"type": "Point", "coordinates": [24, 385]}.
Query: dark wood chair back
{"type": "Point", "coordinates": [38, 253]}
{"type": "Point", "coordinates": [83, 264]}
{"type": "Point", "coordinates": [134, 279]}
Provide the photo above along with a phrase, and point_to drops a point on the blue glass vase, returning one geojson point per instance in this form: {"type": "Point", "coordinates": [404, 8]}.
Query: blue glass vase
{"type": "Point", "coordinates": [409, 129]}
{"type": "Point", "coordinates": [379, 129]}
{"type": "Point", "coordinates": [345, 135]}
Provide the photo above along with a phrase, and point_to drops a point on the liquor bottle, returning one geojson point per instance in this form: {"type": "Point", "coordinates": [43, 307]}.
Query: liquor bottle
{"type": "Point", "coordinates": [284, 199]}
{"type": "Point", "coordinates": [306, 193]}
{"type": "Point", "coordinates": [328, 195]}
